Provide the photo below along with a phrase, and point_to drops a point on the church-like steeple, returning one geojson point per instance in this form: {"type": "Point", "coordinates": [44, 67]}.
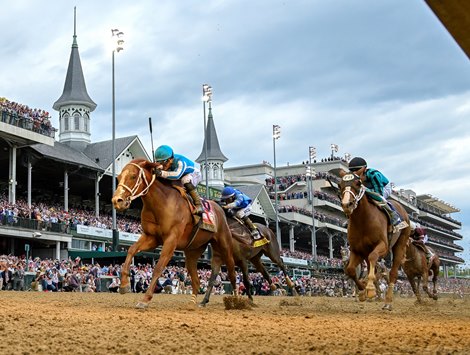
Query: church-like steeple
{"type": "Point", "coordinates": [215, 157]}
{"type": "Point", "coordinates": [75, 104]}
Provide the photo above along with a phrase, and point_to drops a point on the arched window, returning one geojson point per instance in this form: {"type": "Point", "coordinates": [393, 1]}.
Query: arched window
{"type": "Point", "coordinates": [76, 121]}
{"type": "Point", "coordinates": [215, 173]}
{"type": "Point", "coordinates": [66, 118]}
{"type": "Point", "coordinates": [86, 120]}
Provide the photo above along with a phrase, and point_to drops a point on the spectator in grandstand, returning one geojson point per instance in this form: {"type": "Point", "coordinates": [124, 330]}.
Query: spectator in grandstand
{"type": "Point", "coordinates": [178, 167]}
{"type": "Point", "coordinates": [72, 282]}
{"type": "Point", "coordinates": [237, 204]}
{"type": "Point", "coordinates": [114, 285]}
{"type": "Point", "coordinates": [18, 277]}
{"type": "Point", "coordinates": [379, 188]}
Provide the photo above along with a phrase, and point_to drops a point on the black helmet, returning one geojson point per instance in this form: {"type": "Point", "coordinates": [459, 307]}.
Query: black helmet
{"type": "Point", "coordinates": [357, 163]}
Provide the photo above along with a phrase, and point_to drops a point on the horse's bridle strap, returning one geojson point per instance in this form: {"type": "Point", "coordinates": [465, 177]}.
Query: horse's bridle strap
{"type": "Point", "coordinates": [141, 178]}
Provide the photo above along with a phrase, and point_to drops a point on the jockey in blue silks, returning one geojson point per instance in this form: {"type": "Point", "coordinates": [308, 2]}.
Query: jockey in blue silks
{"type": "Point", "coordinates": [239, 204]}
{"type": "Point", "coordinates": [178, 167]}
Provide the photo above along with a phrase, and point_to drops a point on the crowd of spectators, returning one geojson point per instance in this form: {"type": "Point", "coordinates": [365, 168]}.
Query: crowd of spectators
{"type": "Point", "coordinates": [48, 213]}
{"type": "Point", "coordinates": [22, 116]}
{"type": "Point", "coordinates": [76, 276]}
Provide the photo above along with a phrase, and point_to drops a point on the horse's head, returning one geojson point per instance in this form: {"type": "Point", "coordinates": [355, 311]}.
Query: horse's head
{"type": "Point", "coordinates": [351, 190]}
{"type": "Point", "coordinates": [344, 253]}
{"type": "Point", "coordinates": [134, 181]}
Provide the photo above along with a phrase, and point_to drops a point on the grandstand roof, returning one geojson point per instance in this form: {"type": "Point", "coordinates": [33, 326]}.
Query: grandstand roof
{"type": "Point", "coordinates": [63, 153]}
{"type": "Point", "coordinates": [259, 192]}
{"type": "Point", "coordinates": [75, 91]}
{"type": "Point", "coordinates": [213, 147]}
{"type": "Point", "coordinates": [101, 152]}
{"type": "Point", "coordinates": [455, 16]}
{"type": "Point", "coordinates": [436, 203]}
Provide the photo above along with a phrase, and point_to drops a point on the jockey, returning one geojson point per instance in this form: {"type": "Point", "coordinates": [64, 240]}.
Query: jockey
{"type": "Point", "coordinates": [378, 187]}
{"type": "Point", "coordinates": [239, 204]}
{"type": "Point", "coordinates": [420, 236]}
{"type": "Point", "coordinates": [178, 167]}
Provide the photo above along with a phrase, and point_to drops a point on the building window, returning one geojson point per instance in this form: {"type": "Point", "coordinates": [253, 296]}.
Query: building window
{"type": "Point", "coordinates": [66, 118]}
{"type": "Point", "coordinates": [76, 121]}
{"type": "Point", "coordinates": [86, 121]}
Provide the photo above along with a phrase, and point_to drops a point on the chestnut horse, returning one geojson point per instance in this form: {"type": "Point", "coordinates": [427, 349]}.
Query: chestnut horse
{"type": "Point", "coordinates": [417, 267]}
{"type": "Point", "coordinates": [370, 237]}
{"type": "Point", "coordinates": [244, 252]}
{"type": "Point", "coordinates": [167, 220]}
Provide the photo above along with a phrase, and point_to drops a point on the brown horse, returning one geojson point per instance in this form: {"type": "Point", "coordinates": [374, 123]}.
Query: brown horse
{"type": "Point", "coordinates": [369, 235]}
{"type": "Point", "coordinates": [416, 267]}
{"type": "Point", "coordinates": [167, 220]}
{"type": "Point", "coordinates": [381, 272]}
{"type": "Point", "coordinates": [243, 252]}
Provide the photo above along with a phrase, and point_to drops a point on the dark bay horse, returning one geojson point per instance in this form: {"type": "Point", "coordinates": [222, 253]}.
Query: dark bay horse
{"type": "Point", "coordinates": [417, 268]}
{"type": "Point", "coordinates": [167, 220]}
{"type": "Point", "coordinates": [368, 236]}
{"type": "Point", "coordinates": [244, 252]}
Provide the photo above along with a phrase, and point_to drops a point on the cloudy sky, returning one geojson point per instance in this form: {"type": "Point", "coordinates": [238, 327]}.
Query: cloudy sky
{"type": "Point", "coordinates": [383, 79]}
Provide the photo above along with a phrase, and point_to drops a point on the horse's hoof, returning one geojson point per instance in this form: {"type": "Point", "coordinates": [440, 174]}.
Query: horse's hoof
{"type": "Point", "coordinates": [362, 296]}
{"type": "Point", "coordinates": [387, 307]}
{"type": "Point", "coordinates": [141, 305]}
{"type": "Point", "coordinates": [126, 289]}
{"type": "Point", "coordinates": [202, 304]}
{"type": "Point", "coordinates": [435, 298]}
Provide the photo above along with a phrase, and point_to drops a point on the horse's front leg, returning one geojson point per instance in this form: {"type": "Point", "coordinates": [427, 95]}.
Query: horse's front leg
{"type": "Point", "coordinates": [350, 270]}
{"type": "Point", "coordinates": [144, 242]}
{"type": "Point", "coordinates": [379, 251]}
{"type": "Point", "coordinates": [168, 249]}
{"type": "Point", "coordinates": [191, 264]}
{"type": "Point", "coordinates": [216, 264]}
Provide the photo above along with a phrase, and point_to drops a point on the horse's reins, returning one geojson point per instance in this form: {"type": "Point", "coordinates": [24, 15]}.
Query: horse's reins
{"type": "Point", "coordinates": [141, 178]}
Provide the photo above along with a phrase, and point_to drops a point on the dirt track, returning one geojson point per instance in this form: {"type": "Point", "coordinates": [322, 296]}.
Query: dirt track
{"type": "Point", "coordinates": [103, 323]}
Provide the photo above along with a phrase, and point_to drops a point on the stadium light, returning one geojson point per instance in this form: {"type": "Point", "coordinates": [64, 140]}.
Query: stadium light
{"type": "Point", "coordinates": [312, 155]}
{"type": "Point", "coordinates": [276, 135]}
{"type": "Point", "coordinates": [118, 47]}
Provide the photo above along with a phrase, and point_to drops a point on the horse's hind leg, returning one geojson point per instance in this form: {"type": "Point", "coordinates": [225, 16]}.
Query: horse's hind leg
{"type": "Point", "coordinates": [415, 287]}
{"type": "Point", "coordinates": [435, 273]}
{"type": "Point", "coordinates": [144, 242]}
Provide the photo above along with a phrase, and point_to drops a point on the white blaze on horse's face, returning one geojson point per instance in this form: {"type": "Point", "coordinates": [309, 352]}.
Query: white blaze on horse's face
{"type": "Point", "coordinates": [348, 201]}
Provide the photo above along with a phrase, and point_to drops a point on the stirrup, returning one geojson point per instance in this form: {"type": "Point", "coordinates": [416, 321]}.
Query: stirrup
{"type": "Point", "coordinates": [400, 226]}
{"type": "Point", "coordinates": [198, 210]}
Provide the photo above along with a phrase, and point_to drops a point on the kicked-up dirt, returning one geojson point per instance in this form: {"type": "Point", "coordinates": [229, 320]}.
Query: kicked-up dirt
{"type": "Point", "coordinates": [107, 323]}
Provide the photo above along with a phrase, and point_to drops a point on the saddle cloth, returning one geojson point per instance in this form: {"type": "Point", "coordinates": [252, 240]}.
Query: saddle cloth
{"type": "Point", "coordinates": [208, 217]}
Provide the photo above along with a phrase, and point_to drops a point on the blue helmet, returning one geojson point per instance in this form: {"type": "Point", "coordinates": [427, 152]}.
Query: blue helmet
{"type": "Point", "coordinates": [227, 192]}
{"type": "Point", "coordinates": [163, 152]}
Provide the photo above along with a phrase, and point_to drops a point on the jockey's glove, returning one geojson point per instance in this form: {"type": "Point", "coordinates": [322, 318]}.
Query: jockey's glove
{"type": "Point", "coordinates": [160, 173]}
{"type": "Point", "coordinates": [230, 205]}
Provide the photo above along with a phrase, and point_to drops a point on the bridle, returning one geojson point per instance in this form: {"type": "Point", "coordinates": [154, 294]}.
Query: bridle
{"type": "Point", "coordinates": [355, 195]}
{"type": "Point", "coordinates": [142, 178]}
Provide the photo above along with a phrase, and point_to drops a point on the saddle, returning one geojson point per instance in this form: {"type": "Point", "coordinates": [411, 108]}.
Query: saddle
{"type": "Point", "coordinates": [208, 217]}
{"type": "Point", "coordinates": [246, 238]}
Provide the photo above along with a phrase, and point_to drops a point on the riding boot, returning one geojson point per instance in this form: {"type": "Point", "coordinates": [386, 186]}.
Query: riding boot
{"type": "Point", "coordinates": [254, 231]}
{"type": "Point", "coordinates": [395, 218]}
{"type": "Point", "coordinates": [196, 198]}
